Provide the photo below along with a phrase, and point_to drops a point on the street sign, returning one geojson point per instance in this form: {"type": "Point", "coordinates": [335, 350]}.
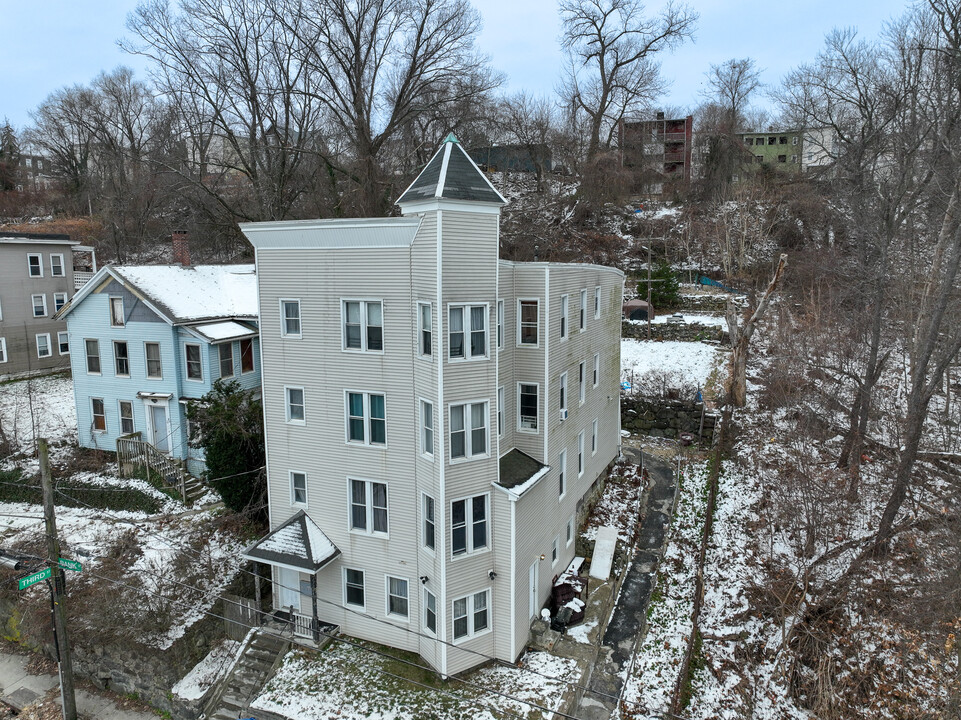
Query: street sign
{"type": "Point", "coordinates": [29, 580]}
{"type": "Point", "coordinates": [69, 564]}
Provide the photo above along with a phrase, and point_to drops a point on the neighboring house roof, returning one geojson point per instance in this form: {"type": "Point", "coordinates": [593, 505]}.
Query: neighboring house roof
{"type": "Point", "coordinates": [224, 331]}
{"type": "Point", "coordinates": [451, 175]}
{"type": "Point", "coordinates": [13, 238]}
{"type": "Point", "coordinates": [519, 472]}
{"type": "Point", "coordinates": [181, 294]}
{"type": "Point", "coordinates": [298, 543]}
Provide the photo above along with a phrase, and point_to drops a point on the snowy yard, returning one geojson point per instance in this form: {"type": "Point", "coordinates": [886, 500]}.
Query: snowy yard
{"type": "Point", "coordinates": [689, 363]}
{"type": "Point", "coordinates": [38, 407]}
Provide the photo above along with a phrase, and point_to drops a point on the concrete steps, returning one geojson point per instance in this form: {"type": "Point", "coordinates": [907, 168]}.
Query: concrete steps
{"type": "Point", "coordinates": [252, 670]}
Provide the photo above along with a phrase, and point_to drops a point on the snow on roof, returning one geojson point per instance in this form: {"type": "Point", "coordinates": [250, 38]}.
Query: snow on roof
{"type": "Point", "coordinates": [228, 330]}
{"type": "Point", "coordinates": [197, 292]}
{"type": "Point", "coordinates": [299, 543]}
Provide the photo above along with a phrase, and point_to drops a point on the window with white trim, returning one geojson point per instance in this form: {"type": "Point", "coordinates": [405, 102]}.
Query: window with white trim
{"type": "Point", "coordinates": [570, 530]}
{"type": "Point", "coordinates": [290, 318]}
{"type": "Point", "coordinates": [594, 437]}
{"type": "Point", "coordinates": [92, 348]}
{"type": "Point", "coordinates": [580, 453]}
{"type": "Point", "coordinates": [583, 315]}
{"type": "Point", "coordinates": [363, 325]}
{"type": "Point", "coordinates": [398, 604]}
{"type": "Point", "coordinates": [427, 428]}
{"type": "Point", "coordinates": [430, 612]}
{"type": "Point", "coordinates": [195, 366]}
{"type": "Point", "coordinates": [121, 359]}
{"type": "Point", "coordinates": [467, 332]}
{"type": "Point", "coordinates": [430, 523]}
{"type": "Point", "coordinates": [366, 418]}
{"type": "Point", "coordinates": [597, 368]}
{"type": "Point", "coordinates": [39, 305]}
{"type": "Point", "coordinates": [99, 422]}
{"type": "Point", "coordinates": [581, 383]}
{"type": "Point", "coordinates": [59, 300]}
{"type": "Point", "coordinates": [1, 311]}
{"type": "Point", "coordinates": [468, 525]}
{"type": "Point", "coordinates": [471, 615]}
{"type": "Point", "coordinates": [225, 354]}
{"type": "Point", "coordinates": [56, 265]}
{"type": "Point", "coordinates": [555, 550]}
{"type": "Point", "coordinates": [597, 302]}
{"type": "Point", "coordinates": [500, 411]}
{"type": "Point", "coordinates": [354, 587]}
{"type": "Point", "coordinates": [468, 430]}
{"type": "Point", "coordinates": [35, 265]}
{"type": "Point", "coordinates": [425, 320]}
{"type": "Point", "coordinates": [125, 408]}
{"type": "Point", "coordinates": [565, 306]}
{"type": "Point", "coordinates": [562, 474]}
{"type": "Point", "coordinates": [527, 406]}
{"type": "Point", "coordinates": [528, 313]}
{"type": "Point", "coordinates": [298, 488]}
{"type": "Point", "coordinates": [500, 324]}
{"type": "Point", "coordinates": [63, 342]}
{"type": "Point", "coordinates": [154, 364]}
{"type": "Point", "coordinates": [562, 400]}
{"type": "Point", "coordinates": [295, 404]}
{"type": "Point", "coordinates": [43, 345]}
{"type": "Point", "coordinates": [116, 312]}
{"type": "Point", "coordinates": [368, 507]}
{"type": "Point", "coordinates": [3, 350]}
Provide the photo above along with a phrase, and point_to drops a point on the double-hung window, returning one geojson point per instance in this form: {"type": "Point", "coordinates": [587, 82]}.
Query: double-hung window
{"type": "Point", "coordinates": [562, 396]}
{"type": "Point", "coordinates": [467, 332]}
{"type": "Point", "coordinates": [555, 550]}
{"type": "Point", "coordinates": [570, 530]}
{"type": "Point", "coordinates": [298, 488]}
{"type": "Point", "coordinates": [468, 430]}
{"type": "Point", "coordinates": [471, 615]}
{"type": "Point", "coordinates": [397, 598]}
{"type": "Point", "coordinates": [427, 428]}
{"type": "Point", "coordinates": [468, 524]}
{"type": "Point", "coordinates": [562, 474]}
{"type": "Point", "coordinates": [597, 368]}
{"type": "Point", "coordinates": [116, 312]}
{"type": "Point", "coordinates": [580, 453]}
{"type": "Point", "coordinates": [295, 412]}
{"type": "Point", "coordinates": [430, 612]}
{"type": "Point", "coordinates": [43, 345]}
{"type": "Point", "coordinates": [246, 355]}
{"type": "Point", "coordinates": [126, 416]}
{"type": "Point", "coordinates": [290, 318]}
{"type": "Point", "coordinates": [363, 325]}
{"type": "Point", "coordinates": [368, 507]}
{"type": "Point", "coordinates": [99, 421]}
{"type": "Point", "coordinates": [597, 302]}
{"type": "Point", "coordinates": [425, 330]}
{"type": "Point", "coordinates": [195, 367]}
{"type": "Point", "coordinates": [35, 265]}
{"type": "Point", "coordinates": [581, 383]}
{"type": "Point", "coordinates": [565, 307]}
{"type": "Point", "coordinates": [354, 587]}
{"type": "Point", "coordinates": [527, 327]}
{"type": "Point", "coordinates": [121, 359]}
{"type": "Point", "coordinates": [92, 348]}
{"type": "Point", "coordinates": [527, 403]}
{"type": "Point", "coordinates": [366, 418]}
{"type": "Point", "coordinates": [226, 354]}
{"type": "Point", "coordinates": [3, 350]}
{"type": "Point", "coordinates": [63, 342]}
{"type": "Point", "coordinates": [500, 324]}
{"type": "Point", "coordinates": [154, 364]}
{"type": "Point", "coordinates": [56, 265]}
{"type": "Point", "coordinates": [39, 305]}
{"type": "Point", "coordinates": [583, 315]}
{"type": "Point", "coordinates": [500, 411]}
{"type": "Point", "coordinates": [430, 523]}
{"type": "Point", "coordinates": [59, 300]}
{"type": "Point", "coordinates": [594, 437]}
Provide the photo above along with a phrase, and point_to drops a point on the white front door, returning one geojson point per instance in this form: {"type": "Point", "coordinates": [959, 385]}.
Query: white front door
{"type": "Point", "coordinates": [289, 581]}
{"type": "Point", "coordinates": [157, 425]}
{"type": "Point", "coordinates": [534, 604]}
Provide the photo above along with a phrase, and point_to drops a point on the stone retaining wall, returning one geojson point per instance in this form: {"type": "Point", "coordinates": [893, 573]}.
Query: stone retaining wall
{"type": "Point", "coordinates": [666, 418]}
{"type": "Point", "coordinates": [686, 332]}
{"type": "Point", "coordinates": [704, 303]}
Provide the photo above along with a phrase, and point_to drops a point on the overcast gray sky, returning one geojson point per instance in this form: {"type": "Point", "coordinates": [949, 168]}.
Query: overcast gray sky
{"type": "Point", "coordinates": [49, 44]}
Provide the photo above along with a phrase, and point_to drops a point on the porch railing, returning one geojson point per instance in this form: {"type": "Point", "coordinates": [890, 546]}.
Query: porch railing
{"type": "Point", "coordinates": [80, 278]}
{"type": "Point", "coordinates": [303, 626]}
{"type": "Point", "coordinates": [134, 452]}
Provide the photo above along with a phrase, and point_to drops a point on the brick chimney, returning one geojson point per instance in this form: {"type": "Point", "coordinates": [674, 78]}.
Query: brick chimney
{"type": "Point", "coordinates": [181, 247]}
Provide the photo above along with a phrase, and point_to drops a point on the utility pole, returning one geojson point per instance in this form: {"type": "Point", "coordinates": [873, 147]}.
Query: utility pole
{"type": "Point", "coordinates": [650, 310]}
{"type": "Point", "coordinates": [67, 697]}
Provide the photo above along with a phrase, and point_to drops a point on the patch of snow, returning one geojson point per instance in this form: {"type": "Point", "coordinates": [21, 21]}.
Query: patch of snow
{"type": "Point", "coordinates": [693, 361]}
{"type": "Point", "coordinates": [199, 291]}
{"type": "Point", "coordinates": [209, 671]}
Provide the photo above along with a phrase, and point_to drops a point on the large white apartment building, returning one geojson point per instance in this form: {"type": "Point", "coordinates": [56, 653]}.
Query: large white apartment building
{"type": "Point", "coordinates": [434, 418]}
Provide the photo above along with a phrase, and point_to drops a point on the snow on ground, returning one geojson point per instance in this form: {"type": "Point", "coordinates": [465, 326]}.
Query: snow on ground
{"type": "Point", "coordinates": [691, 360]}
{"type": "Point", "coordinates": [689, 318]}
{"type": "Point", "coordinates": [195, 684]}
{"type": "Point", "coordinates": [38, 407]}
{"type": "Point", "coordinates": [350, 682]}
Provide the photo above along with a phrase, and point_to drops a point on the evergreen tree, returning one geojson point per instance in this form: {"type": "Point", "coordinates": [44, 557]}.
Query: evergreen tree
{"type": "Point", "coordinates": [9, 157]}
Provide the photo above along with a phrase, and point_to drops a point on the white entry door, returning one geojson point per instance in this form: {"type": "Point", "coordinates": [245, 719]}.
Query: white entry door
{"type": "Point", "coordinates": [289, 594]}
{"type": "Point", "coordinates": [159, 435]}
{"type": "Point", "coordinates": [534, 604]}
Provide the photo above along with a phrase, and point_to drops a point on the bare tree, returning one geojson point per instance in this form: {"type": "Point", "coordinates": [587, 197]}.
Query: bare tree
{"type": "Point", "coordinates": [529, 122]}
{"type": "Point", "coordinates": [732, 83]}
{"type": "Point", "coordinates": [611, 48]}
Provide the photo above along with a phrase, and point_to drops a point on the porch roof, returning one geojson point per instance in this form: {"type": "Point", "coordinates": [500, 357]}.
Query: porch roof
{"type": "Point", "coordinates": [519, 472]}
{"type": "Point", "coordinates": [298, 543]}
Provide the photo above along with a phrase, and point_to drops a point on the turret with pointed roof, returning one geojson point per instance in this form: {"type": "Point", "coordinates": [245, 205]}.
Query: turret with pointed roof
{"type": "Point", "coordinates": [451, 175]}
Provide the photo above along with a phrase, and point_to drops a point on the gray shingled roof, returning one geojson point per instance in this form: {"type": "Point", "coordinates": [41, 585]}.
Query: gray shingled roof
{"type": "Point", "coordinates": [298, 543]}
{"type": "Point", "coordinates": [451, 175]}
{"type": "Point", "coordinates": [516, 468]}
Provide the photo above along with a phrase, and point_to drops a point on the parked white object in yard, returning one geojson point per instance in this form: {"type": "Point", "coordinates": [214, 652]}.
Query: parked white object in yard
{"type": "Point", "coordinates": [603, 552]}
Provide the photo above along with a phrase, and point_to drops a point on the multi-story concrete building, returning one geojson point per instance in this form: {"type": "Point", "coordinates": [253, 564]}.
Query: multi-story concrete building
{"type": "Point", "coordinates": [37, 278]}
{"type": "Point", "coordinates": [434, 416]}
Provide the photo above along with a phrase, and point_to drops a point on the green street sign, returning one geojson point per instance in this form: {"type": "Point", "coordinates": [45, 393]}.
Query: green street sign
{"type": "Point", "coordinates": [29, 580]}
{"type": "Point", "coordinates": [69, 564]}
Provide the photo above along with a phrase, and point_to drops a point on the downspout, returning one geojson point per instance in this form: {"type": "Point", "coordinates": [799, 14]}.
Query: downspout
{"type": "Point", "coordinates": [442, 452]}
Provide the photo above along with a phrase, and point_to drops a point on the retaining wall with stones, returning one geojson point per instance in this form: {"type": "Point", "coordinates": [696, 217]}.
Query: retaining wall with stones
{"type": "Point", "coordinates": [667, 418]}
{"type": "Point", "coordinates": [686, 332]}
{"type": "Point", "coordinates": [706, 302]}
